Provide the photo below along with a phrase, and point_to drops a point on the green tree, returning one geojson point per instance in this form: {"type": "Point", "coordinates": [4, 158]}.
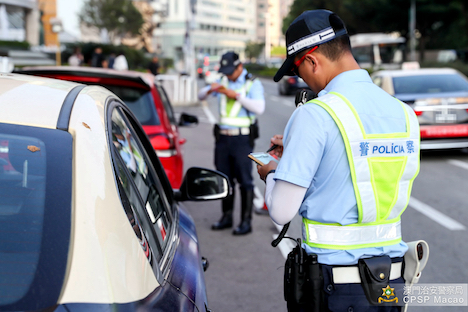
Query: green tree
{"type": "Point", "coordinates": [441, 24]}
{"type": "Point", "coordinates": [253, 49]}
{"type": "Point", "coordinates": [118, 17]}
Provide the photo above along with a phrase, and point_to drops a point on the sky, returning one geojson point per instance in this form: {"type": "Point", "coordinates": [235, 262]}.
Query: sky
{"type": "Point", "coordinates": [67, 11]}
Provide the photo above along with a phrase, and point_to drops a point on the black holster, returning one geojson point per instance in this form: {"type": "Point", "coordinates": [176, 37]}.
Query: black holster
{"type": "Point", "coordinates": [254, 133]}
{"type": "Point", "coordinates": [303, 280]}
{"type": "Point", "coordinates": [216, 132]}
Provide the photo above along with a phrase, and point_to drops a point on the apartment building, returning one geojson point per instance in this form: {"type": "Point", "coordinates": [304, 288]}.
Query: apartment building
{"type": "Point", "coordinates": [19, 20]}
{"type": "Point", "coordinates": [211, 27]}
{"type": "Point", "coordinates": [270, 15]}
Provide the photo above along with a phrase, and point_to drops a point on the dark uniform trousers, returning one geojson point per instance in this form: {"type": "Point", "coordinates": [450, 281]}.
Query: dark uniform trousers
{"type": "Point", "coordinates": [350, 297]}
{"type": "Point", "coordinates": [231, 159]}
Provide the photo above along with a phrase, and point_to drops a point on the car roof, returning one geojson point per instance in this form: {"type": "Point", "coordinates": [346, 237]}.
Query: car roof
{"type": "Point", "coordinates": [24, 98]}
{"type": "Point", "coordinates": [415, 72]}
{"type": "Point", "coordinates": [106, 263]}
{"type": "Point", "coordinates": [135, 76]}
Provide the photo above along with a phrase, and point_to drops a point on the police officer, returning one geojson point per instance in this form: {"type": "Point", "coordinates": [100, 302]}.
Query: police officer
{"type": "Point", "coordinates": [241, 99]}
{"type": "Point", "coordinates": [348, 161]}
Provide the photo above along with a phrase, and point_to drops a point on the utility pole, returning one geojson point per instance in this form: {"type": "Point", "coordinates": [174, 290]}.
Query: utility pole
{"type": "Point", "coordinates": [412, 30]}
{"type": "Point", "coordinates": [267, 37]}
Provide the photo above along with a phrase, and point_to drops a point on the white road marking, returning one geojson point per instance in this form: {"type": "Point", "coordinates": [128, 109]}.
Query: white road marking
{"type": "Point", "coordinates": [208, 113]}
{"type": "Point", "coordinates": [435, 215]}
{"type": "Point", "coordinates": [275, 98]}
{"type": "Point", "coordinates": [458, 163]}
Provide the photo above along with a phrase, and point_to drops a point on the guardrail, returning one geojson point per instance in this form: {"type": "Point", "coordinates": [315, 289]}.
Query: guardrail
{"type": "Point", "coordinates": [181, 89]}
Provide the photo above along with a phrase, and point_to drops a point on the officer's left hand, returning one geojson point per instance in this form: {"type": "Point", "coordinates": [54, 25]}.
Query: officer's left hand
{"type": "Point", "coordinates": [263, 170]}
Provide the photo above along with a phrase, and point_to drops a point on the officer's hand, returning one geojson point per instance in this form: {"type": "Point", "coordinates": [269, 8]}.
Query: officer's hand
{"type": "Point", "coordinates": [278, 140]}
{"type": "Point", "coordinates": [215, 87]}
{"type": "Point", "coordinates": [230, 93]}
{"type": "Point", "coordinates": [263, 170]}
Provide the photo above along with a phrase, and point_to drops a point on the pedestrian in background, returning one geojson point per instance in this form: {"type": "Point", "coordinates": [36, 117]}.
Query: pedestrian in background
{"type": "Point", "coordinates": [153, 66]}
{"type": "Point", "coordinates": [111, 61]}
{"type": "Point", "coordinates": [240, 99]}
{"type": "Point", "coordinates": [97, 58]}
{"type": "Point", "coordinates": [120, 62]}
{"type": "Point", "coordinates": [76, 59]}
{"type": "Point", "coordinates": [348, 161]}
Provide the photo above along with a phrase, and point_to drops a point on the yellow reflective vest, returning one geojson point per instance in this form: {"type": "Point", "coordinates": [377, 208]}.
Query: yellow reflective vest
{"type": "Point", "coordinates": [230, 108]}
{"type": "Point", "coordinates": [383, 168]}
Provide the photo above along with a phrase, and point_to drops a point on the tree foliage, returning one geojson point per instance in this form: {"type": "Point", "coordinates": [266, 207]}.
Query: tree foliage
{"type": "Point", "coordinates": [253, 49]}
{"type": "Point", "coordinates": [441, 24]}
{"type": "Point", "coordinates": [118, 17]}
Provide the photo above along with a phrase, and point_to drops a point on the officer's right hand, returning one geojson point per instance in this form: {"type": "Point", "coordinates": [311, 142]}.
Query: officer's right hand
{"type": "Point", "coordinates": [278, 140]}
{"type": "Point", "coordinates": [214, 87]}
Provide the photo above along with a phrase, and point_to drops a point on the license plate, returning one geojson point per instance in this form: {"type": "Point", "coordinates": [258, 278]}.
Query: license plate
{"type": "Point", "coordinates": [445, 115]}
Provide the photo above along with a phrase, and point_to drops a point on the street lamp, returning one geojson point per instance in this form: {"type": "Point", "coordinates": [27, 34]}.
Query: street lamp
{"type": "Point", "coordinates": [57, 27]}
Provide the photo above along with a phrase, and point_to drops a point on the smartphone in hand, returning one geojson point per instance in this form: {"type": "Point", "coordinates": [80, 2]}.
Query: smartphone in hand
{"type": "Point", "coordinates": [261, 158]}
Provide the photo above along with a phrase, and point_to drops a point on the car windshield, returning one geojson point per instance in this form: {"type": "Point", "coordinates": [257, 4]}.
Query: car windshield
{"type": "Point", "coordinates": [140, 102]}
{"type": "Point", "coordinates": [429, 84]}
{"type": "Point", "coordinates": [35, 215]}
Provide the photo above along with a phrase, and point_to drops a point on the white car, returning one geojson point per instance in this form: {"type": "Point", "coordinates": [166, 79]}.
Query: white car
{"type": "Point", "coordinates": [439, 96]}
{"type": "Point", "coordinates": [88, 218]}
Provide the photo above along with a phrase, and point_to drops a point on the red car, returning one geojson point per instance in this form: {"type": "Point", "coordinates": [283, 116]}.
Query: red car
{"type": "Point", "coordinates": [147, 100]}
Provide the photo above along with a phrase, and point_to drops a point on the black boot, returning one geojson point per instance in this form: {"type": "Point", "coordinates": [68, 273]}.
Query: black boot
{"type": "Point", "coordinates": [247, 204]}
{"type": "Point", "coordinates": [226, 220]}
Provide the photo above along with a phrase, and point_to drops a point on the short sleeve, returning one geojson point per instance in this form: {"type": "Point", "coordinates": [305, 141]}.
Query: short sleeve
{"type": "Point", "coordinates": [304, 144]}
{"type": "Point", "coordinates": [256, 91]}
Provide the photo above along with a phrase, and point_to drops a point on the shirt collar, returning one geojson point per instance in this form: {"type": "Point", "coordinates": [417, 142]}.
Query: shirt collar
{"type": "Point", "coordinates": [347, 77]}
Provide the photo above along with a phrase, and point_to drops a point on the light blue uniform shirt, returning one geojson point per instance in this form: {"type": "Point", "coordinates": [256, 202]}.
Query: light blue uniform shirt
{"type": "Point", "coordinates": [315, 157]}
{"type": "Point", "coordinates": [255, 93]}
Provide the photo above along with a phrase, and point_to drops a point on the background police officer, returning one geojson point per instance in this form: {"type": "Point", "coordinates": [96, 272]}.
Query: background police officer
{"type": "Point", "coordinates": [240, 99]}
{"type": "Point", "coordinates": [332, 170]}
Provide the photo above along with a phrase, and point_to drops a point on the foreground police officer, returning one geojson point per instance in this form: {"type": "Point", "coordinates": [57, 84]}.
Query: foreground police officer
{"type": "Point", "coordinates": [240, 98]}
{"type": "Point", "coordinates": [347, 166]}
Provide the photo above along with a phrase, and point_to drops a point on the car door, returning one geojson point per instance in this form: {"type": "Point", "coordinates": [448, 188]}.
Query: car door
{"type": "Point", "coordinates": [148, 202]}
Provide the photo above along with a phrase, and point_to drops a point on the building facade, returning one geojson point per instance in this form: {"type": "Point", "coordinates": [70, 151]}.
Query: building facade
{"type": "Point", "coordinates": [19, 21]}
{"type": "Point", "coordinates": [269, 23]}
{"type": "Point", "coordinates": [208, 27]}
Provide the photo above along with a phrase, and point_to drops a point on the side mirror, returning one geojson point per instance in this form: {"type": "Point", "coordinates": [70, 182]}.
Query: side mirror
{"type": "Point", "coordinates": [187, 120]}
{"type": "Point", "coordinates": [203, 184]}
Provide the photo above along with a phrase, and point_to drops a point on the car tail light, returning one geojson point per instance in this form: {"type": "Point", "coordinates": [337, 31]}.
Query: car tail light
{"type": "Point", "coordinates": [418, 113]}
{"type": "Point", "coordinates": [291, 80]}
{"type": "Point", "coordinates": [163, 145]}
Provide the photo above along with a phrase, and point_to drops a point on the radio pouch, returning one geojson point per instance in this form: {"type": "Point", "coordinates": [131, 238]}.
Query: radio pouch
{"type": "Point", "coordinates": [303, 280]}
{"type": "Point", "coordinates": [375, 276]}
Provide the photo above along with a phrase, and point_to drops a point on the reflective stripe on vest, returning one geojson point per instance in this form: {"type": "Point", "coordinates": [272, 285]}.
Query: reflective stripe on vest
{"type": "Point", "coordinates": [382, 167]}
{"type": "Point", "coordinates": [230, 108]}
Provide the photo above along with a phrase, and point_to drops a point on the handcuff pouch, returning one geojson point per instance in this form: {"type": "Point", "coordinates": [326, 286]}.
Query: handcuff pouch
{"type": "Point", "coordinates": [375, 276]}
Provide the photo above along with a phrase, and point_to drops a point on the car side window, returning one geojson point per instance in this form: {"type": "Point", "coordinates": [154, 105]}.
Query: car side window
{"type": "Point", "coordinates": [167, 104]}
{"type": "Point", "coordinates": [153, 206]}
